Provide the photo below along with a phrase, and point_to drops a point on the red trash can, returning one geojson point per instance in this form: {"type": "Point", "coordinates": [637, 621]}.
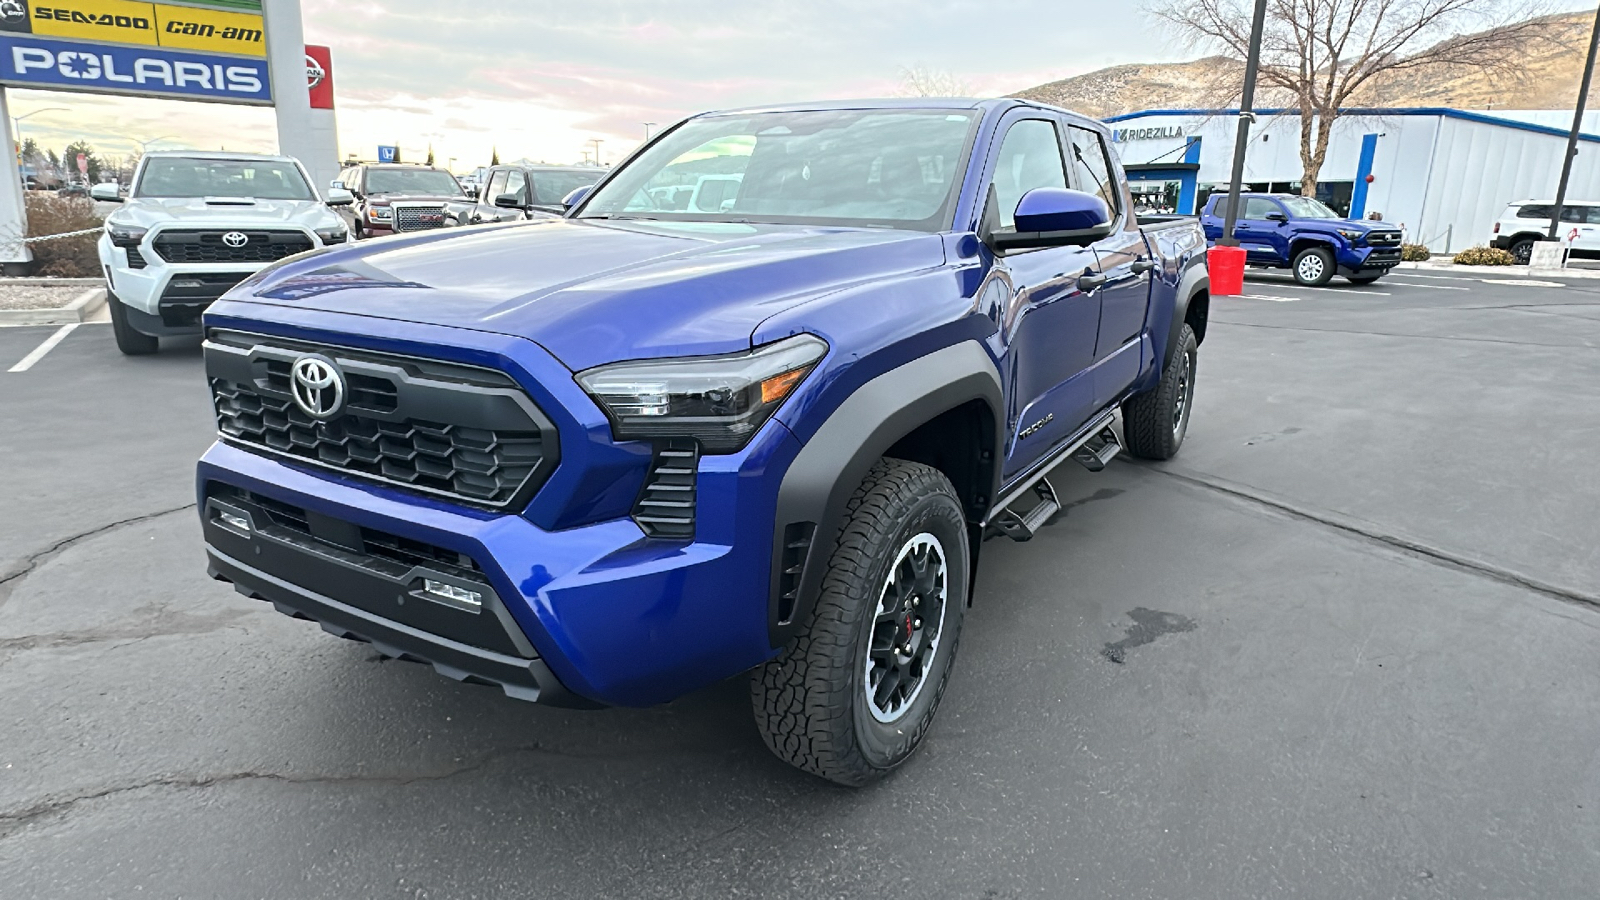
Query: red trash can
{"type": "Point", "coordinates": [1226, 265]}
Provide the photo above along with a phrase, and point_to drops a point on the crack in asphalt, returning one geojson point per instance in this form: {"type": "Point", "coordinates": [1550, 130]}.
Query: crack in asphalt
{"type": "Point", "coordinates": [14, 821]}
{"type": "Point", "coordinates": [9, 580]}
{"type": "Point", "coordinates": [1371, 533]}
{"type": "Point", "coordinates": [166, 623]}
{"type": "Point", "coordinates": [1420, 337]}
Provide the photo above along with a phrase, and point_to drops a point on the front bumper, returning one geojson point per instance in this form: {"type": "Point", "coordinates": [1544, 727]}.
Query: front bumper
{"type": "Point", "coordinates": [1368, 260]}
{"type": "Point", "coordinates": [166, 298]}
{"type": "Point", "coordinates": [615, 617]}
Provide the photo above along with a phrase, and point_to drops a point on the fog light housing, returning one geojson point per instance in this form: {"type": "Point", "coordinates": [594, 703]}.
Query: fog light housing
{"type": "Point", "coordinates": [450, 595]}
{"type": "Point", "coordinates": [237, 522]}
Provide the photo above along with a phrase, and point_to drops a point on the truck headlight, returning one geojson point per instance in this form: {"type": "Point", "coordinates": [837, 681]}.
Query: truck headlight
{"type": "Point", "coordinates": [1351, 235]}
{"type": "Point", "coordinates": [718, 400]}
{"type": "Point", "coordinates": [335, 235]}
{"type": "Point", "coordinates": [380, 213]}
{"type": "Point", "coordinates": [125, 235]}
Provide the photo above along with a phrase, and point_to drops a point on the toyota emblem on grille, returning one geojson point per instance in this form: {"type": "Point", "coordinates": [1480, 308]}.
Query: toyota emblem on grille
{"type": "Point", "coordinates": [236, 239]}
{"type": "Point", "coordinates": [317, 386]}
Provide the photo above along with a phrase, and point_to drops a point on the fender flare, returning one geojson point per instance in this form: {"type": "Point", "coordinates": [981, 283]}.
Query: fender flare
{"type": "Point", "coordinates": [1195, 280]}
{"type": "Point", "coordinates": [817, 486]}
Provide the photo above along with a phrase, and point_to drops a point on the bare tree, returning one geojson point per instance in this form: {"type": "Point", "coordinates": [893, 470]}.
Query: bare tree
{"type": "Point", "coordinates": [1324, 54]}
{"type": "Point", "coordinates": [921, 81]}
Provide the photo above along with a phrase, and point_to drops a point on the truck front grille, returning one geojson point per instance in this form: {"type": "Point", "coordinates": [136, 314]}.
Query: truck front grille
{"type": "Point", "coordinates": [461, 432]}
{"type": "Point", "coordinates": [1383, 239]}
{"type": "Point", "coordinates": [418, 216]}
{"type": "Point", "coordinates": [210, 246]}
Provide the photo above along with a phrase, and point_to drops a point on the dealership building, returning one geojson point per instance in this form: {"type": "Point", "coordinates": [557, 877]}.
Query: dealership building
{"type": "Point", "coordinates": [1445, 175]}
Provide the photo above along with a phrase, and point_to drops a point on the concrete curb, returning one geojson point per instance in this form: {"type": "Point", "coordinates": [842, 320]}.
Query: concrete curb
{"type": "Point", "coordinates": [1512, 271]}
{"type": "Point", "coordinates": [80, 309]}
{"type": "Point", "coordinates": [52, 282]}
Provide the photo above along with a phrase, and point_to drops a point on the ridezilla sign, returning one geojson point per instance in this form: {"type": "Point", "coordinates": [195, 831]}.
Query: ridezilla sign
{"type": "Point", "coordinates": [195, 51]}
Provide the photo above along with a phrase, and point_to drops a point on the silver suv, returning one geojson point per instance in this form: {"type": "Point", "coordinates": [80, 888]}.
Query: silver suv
{"type": "Point", "coordinates": [196, 224]}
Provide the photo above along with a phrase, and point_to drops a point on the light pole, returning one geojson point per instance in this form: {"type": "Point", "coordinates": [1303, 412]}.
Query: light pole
{"type": "Point", "coordinates": [144, 146]}
{"type": "Point", "coordinates": [1577, 126]}
{"type": "Point", "coordinates": [16, 122]}
{"type": "Point", "coordinates": [647, 126]}
{"type": "Point", "coordinates": [452, 165]}
{"type": "Point", "coordinates": [596, 142]}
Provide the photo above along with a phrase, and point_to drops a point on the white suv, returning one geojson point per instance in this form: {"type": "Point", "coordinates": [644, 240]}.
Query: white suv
{"type": "Point", "coordinates": [1528, 221]}
{"type": "Point", "coordinates": [196, 224]}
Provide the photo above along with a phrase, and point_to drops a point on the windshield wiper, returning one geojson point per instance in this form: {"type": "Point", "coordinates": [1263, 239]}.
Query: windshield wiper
{"type": "Point", "coordinates": [623, 218]}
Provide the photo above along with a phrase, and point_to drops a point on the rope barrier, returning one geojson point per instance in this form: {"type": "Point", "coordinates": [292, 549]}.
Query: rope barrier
{"type": "Point", "coordinates": [55, 237]}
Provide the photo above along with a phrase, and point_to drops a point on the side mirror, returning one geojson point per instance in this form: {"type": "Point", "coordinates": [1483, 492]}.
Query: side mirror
{"type": "Point", "coordinates": [508, 201]}
{"type": "Point", "coordinates": [576, 197]}
{"type": "Point", "coordinates": [1277, 217]}
{"type": "Point", "coordinates": [472, 191]}
{"type": "Point", "coordinates": [1055, 217]}
{"type": "Point", "coordinates": [338, 196]}
{"type": "Point", "coordinates": [336, 183]}
{"type": "Point", "coordinates": [109, 193]}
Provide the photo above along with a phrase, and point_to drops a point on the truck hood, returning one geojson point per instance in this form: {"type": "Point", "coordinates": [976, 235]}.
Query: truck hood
{"type": "Point", "coordinates": [382, 199]}
{"type": "Point", "coordinates": [593, 292]}
{"type": "Point", "coordinates": [223, 212]}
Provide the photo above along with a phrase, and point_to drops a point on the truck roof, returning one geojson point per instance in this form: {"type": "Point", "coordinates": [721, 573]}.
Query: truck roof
{"type": "Point", "coordinates": [894, 103]}
{"type": "Point", "coordinates": [216, 154]}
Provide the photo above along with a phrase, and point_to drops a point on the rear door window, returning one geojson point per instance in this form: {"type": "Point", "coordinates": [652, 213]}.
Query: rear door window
{"type": "Point", "coordinates": [1091, 171]}
{"type": "Point", "coordinates": [1537, 211]}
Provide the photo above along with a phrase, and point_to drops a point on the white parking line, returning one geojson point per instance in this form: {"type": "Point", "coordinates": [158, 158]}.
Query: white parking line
{"type": "Point", "coordinates": [1436, 287]}
{"type": "Point", "coordinates": [39, 351]}
{"type": "Point", "coordinates": [1434, 277]}
{"type": "Point", "coordinates": [1347, 291]}
{"type": "Point", "coordinates": [1268, 297]}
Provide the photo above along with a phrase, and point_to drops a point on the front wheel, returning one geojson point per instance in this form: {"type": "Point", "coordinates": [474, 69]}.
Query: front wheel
{"type": "Point", "coordinates": [1313, 267]}
{"type": "Point", "coordinates": [853, 695]}
{"type": "Point", "coordinates": [131, 341]}
{"type": "Point", "coordinates": [1155, 422]}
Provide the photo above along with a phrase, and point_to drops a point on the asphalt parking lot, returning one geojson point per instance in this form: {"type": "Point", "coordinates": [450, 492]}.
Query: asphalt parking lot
{"type": "Point", "coordinates": [1344, 646]}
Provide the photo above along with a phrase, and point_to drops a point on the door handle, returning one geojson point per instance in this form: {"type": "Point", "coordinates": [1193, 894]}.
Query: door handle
{"type": "Point", "coordinates": [1141, 266]}
{"type": "Point", "coordinates": [1088, 281]}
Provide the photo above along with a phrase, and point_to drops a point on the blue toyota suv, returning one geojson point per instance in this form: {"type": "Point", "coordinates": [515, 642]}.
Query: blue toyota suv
{"type": "Point", "coordinates": [613, 457]}
{"type": "Point", "coordinates": [1286, 231]}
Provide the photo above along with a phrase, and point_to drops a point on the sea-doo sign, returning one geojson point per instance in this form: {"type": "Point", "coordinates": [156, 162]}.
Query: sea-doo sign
{"type": "Point", "coordinates": [194, 51]}
{"type": "Point", "coordinates": [1126, 135]}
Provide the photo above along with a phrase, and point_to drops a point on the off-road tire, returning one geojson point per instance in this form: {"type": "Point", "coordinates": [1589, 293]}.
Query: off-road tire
{"type": "Point", "coordinates": [1322, 275]}
{"type": "Point", "coordinates": [1153, 424]}
{"type": "Point", "coordinates": [810, 702]}
{"type": "Point", "coordinates": [131, 341]}
{"type": "Point", "coordinates": [1363, 279]}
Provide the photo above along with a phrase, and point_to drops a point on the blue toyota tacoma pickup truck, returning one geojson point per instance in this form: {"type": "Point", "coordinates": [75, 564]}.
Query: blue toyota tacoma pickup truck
{"type": "Point", "coordinates": [1301, 234]}
{"type": "Point", "coordinates": [610, 458]}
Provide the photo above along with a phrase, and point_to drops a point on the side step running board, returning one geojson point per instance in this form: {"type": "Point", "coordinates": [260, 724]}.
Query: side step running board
{"type": "Point", "coordinates": [1093, 454]}
{"type": "Point", "coordinates": [1022, 527]}
{"type": "Point", "coordinates": [1099, 450]}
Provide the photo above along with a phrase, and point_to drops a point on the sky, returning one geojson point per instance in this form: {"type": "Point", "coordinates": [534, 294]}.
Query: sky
{"type": "Point", "coordinates": [540, 79]}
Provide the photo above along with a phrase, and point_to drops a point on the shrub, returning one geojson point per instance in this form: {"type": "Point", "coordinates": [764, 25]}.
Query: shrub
{"type": "Point", "coordinates": [1414, 253]}
{"type": "Point", "coordinates": [1485, 256]}
{"type": "Point", "coordinates": [74, 257]}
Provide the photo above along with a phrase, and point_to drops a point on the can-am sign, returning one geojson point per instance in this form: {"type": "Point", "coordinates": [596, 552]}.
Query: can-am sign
{"type": "Point", "coordinates": [128, 47]}
{"type": "Point", "coordinates": [1125, 135]}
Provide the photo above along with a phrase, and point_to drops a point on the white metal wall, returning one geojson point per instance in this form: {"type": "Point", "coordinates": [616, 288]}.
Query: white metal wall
{"type": "Point", "coordinates": [1444, 179]}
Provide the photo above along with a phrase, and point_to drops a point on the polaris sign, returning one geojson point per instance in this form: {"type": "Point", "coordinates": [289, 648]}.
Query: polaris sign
{"type": "Point", "coordinates": [146, 71]}
{"type": "Point", "coordinates": [1125, 135]}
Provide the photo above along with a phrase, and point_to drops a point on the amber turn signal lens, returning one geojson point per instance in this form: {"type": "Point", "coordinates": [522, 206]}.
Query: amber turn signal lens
{"type": "Point", "coordinates": [778, 386]}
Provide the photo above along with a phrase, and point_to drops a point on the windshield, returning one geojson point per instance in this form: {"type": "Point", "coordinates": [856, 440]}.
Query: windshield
{"type": "Point", "coordinates": [1307, 208]}
{"type": "Point", "coordinates": [550, 188]}
{"type": "Point", "coordinates": [889, 168]}
{"type": "Point", "coordinates": [258, 179]}
{"type": "Point", "coordinates": [434, 182]}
